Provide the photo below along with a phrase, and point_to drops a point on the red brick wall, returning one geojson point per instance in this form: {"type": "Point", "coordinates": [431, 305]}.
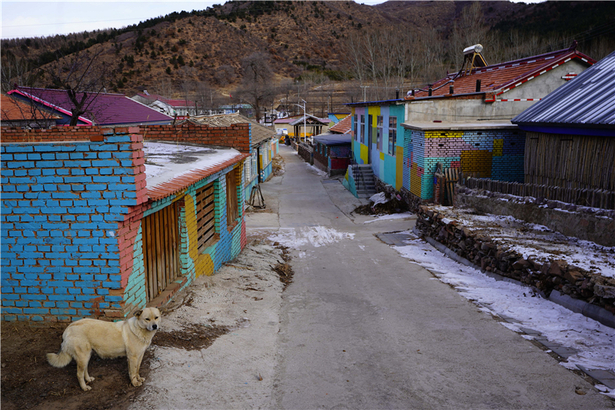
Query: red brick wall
{"type": "Point", "coordinates": [236, 136]}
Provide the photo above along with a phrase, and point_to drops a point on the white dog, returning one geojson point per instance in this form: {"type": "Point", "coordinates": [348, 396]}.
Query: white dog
{"type": "Point", "coordinates": [128, 338]}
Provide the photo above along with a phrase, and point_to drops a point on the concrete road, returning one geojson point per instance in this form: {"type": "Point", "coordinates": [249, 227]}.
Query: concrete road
{"type": "Point", "coordinates": [363, 328]}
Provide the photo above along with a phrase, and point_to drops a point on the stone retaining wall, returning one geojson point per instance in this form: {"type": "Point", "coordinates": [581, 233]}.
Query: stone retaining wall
{"type": "Point", "coordinates": [592, 224]}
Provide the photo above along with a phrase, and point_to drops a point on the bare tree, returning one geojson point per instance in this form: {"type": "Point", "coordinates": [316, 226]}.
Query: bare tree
{"type": "Point", "coordinates": [256, 86]}
{"type": "Point", "coordinates": [82, 79]}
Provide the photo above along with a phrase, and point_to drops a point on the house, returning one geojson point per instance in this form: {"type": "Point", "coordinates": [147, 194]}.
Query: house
{"type": "Point", "coordinates": [100, 222]}
{"type": "Point", "coordinates": [378, 140]}
{"type": "Point", "coordinates": [102, 109]}
{"type": "Point", "coordinates": [336, 117]}
{"type": "Point", "coordinates": [570, 134]}
{"type": "Point", "coordinates": [177, 108]}
{"type": "Point", "coordinates": [332, 152]}
{"type": "Point", "coordinates": [264, 146]}
{"type": "Point", "coordinates": [16, 113]}
{"type": "Point", "coordinates": [461, 121]}
{"type": "Point", "coordinates": [297, 123]}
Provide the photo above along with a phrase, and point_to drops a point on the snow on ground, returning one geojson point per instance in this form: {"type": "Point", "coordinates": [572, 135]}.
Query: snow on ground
{"type": "Point", "coordinates": [536, 241]}
{"type": "Point", "coordinates": [594, 342]}
{"type": "Point", "coordinates": [315, 235]}
{"type": "Point", "coordinates": [391, 216]}
{"type": "Point", "coordinates": [318, 171]}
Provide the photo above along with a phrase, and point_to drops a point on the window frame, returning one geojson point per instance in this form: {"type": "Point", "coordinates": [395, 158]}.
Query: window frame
{"type": "Point", "coordinates": [392, 135]}
{"type": "Point", "coordinates": [232, 199]}
{"type": "Point", "coordinates": [379, 131]}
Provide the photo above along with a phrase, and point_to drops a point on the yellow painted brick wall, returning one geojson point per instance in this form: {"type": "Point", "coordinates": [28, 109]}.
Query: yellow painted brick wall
{"type": "Point", "coordinates": [498, 147]}
{"type": "Point", "coordinates": [203, 264]}
{"type": "Point", "coordinates": [415, 181]}
{"type": "Point", "coordinates": [443, 134]}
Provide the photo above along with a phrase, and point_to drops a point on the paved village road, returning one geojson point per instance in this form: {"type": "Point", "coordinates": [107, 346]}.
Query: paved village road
{"type": "Point", "coordinates": [363, 328]}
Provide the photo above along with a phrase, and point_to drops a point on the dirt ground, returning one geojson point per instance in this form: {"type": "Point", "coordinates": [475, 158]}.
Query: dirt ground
{"type": "Point", "coordinates": [29, 382]}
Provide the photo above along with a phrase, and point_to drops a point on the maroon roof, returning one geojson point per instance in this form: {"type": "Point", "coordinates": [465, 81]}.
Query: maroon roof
{"type": "Point", "coordinates": [103, 108]}
{"type": "Point", "coordinates": [499, 78]}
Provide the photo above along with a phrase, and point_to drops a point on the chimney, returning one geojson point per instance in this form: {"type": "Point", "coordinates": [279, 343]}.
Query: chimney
{"type": "Point", "coordinates": [397, 94]}
{"type": "Point", "coordinates": [430, 92]}
{"type": "Point", "coordinates": [451, 89]}
{"type": "Point", "coordinates": [477, 86]}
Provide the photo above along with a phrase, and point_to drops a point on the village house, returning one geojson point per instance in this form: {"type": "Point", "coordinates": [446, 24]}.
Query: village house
{"type": "Point", "coordinates": [332, 150]}
{"type": "Point", "coordinates": [571, 133]}
{"type": "Point", "coordinates": [101, 109]}
{"type": "Point", "coordinates": [99, 222]}
{"type": "Point", "coordinates": [177, 108]}
{"type": "Point", "coordinates": [298, 126]}
{"type": "Point", "coordinates": [460, 122]}
{"type": "Point", "coordinates": [258, 167]}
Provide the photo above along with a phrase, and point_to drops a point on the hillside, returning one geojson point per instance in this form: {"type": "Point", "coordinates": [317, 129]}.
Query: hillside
{"type": "Point", "coordinates": [303, 41]}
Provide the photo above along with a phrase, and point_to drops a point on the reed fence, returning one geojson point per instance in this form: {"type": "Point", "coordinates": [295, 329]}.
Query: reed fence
{"type": "Point", "coordinates": [595, 198]}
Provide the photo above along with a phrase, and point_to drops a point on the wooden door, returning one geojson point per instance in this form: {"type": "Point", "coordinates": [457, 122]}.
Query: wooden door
{"type": "Point", "coordinates": [161, 245]}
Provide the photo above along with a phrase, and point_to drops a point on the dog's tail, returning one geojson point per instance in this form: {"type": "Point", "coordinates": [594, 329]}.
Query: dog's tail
{"type": "Point", "coordinates": [59, 360]}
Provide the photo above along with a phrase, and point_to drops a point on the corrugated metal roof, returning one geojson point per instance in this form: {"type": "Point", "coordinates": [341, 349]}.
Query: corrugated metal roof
{"type": "Point", "coordinates": [260, 133]}
{"type": "Point", "coordinates": [587, 100]}
{"type": "Point", "coordinates": [333, 139]}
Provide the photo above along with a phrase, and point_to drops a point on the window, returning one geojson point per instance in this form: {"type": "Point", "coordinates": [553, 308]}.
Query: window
{"type": "Point", "coordinates": [232, 210]}
{"type": "Point", "coordinates": [248, 168]}
{"type": "Point", "coordinates": [205, 217]}
{"type": "Point", "coordinates": [392, 135]}
{"type": "Point", "coordinates": [362, 128]}
{"type": "Point", "coordinates": [379, 123]}
{"type": "Point", "coordinates": [370, 129]}
{"type": "Point", "coordinates": [356, 129]}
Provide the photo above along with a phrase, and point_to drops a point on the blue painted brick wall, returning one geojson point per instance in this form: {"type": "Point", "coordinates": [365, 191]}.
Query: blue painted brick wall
{"type": "Point", "coordinates": [61, 203]}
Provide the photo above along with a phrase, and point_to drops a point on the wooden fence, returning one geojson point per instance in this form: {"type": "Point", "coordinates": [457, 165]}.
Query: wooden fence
{"type": "Point", "coordinates": [596, 198]}
{"type": "Point", "coordinates": [570, 161]}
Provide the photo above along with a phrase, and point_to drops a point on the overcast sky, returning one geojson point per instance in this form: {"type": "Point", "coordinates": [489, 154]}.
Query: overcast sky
{"type": "Point", "coordinates": [45, 18]}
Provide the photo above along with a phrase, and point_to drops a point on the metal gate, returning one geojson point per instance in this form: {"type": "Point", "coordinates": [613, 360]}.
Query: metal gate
{"type": "Point", "coordinates": [161, 242]}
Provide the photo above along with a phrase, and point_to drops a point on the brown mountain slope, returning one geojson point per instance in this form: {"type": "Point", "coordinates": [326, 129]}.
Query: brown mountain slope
{"type": "Point", "coordinates": [300, 38]}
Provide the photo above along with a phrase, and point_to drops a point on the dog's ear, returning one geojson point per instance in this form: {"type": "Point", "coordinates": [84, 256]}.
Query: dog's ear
{"type": "Point", "coordinates": [139, 313]}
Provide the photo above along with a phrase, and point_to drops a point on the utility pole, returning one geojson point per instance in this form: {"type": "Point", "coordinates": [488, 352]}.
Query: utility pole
{"type": "Point", "coordinates": [364, 87]}
{"type": "Point", "coordinates": [304, 119]}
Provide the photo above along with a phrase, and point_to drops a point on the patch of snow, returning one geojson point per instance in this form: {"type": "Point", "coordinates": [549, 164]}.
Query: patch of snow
{"type": "Point", "coordinates": [315, 235]}
{"type": "Point", "coordinates": [391, 216]}
{"type": "Point", "coordinates": [166, 161]}
{"type": "Point", "coordinates": [605, 390]}
{"type": "Point", "coordinates": [594, 342]}
{"type": "Point", "coordinates": [318, 171]}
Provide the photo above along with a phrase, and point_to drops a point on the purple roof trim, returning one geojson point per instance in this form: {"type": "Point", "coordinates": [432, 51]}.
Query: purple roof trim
{"type": "Point", "coordinates": [105, 109]}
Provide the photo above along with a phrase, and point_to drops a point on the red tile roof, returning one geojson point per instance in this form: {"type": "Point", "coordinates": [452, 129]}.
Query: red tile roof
{"type": "Point", "coordinates": [15, 110]}
{"type": "Point", "coordinates": [344, 126]}
{"type": "Point", "coordinates": [105, 108]}
{"type": "Point", "coordinates": [499, 78]}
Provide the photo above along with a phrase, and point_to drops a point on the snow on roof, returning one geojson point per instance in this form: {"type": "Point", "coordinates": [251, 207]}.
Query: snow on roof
{"type": "Point", "coordinates": [171, 167]}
